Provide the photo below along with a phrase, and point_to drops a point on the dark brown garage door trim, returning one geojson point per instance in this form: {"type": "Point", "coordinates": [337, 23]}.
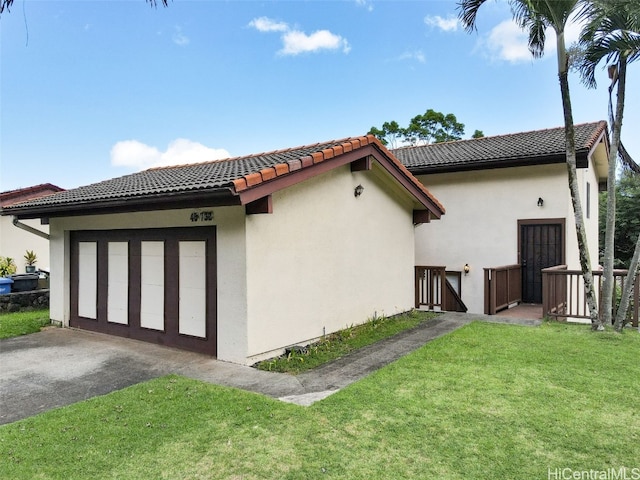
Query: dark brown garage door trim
{"type": "Point", "coordinates": [171, 236]}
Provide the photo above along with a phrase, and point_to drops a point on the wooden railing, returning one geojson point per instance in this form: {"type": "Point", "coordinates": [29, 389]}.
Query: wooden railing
{"type": "Point", "coordinates": [502, 287]}
{"type": "Point", "coordinates": [434, 291]}
{"type": "Point", "coordinates": [429, 283]}
{"type": "Point", "coordinates": [563, 293]}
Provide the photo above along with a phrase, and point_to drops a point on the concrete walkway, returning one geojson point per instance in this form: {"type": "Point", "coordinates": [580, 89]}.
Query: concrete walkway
{"type": "Point", "coordinates": [58, 367]}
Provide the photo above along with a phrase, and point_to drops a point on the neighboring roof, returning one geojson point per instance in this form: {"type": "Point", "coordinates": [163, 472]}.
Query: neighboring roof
{"type": "Point", "coordinates": [517, 149]}
{"type": "Point", "coordinates": [27, 193]}
{"type": "Point", "coordinates": [234, 181]}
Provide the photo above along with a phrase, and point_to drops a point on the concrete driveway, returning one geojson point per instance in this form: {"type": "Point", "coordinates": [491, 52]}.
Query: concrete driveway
{"type": "Point", "coordinates": [60, 366]}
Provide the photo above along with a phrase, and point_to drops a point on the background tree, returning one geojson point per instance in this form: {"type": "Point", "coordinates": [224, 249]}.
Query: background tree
{"type": "Point", "coordinates": [478, 134]}
{"type": "Point", "coordinates": [389, 134]}
{"type": "Point", "coordinates": [433, 127]}
{"type": "Point", "coordinates": [627, 217]}
{"type": "Point", "coordinates": [535, 16]}
{"type": "Point", "coordinates": [429, 127]}
{"type": "Point", "coordinates": [611, 34]}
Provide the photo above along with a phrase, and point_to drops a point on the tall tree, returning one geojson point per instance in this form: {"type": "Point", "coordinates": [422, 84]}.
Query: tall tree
{"type": "Point", "coordinates": [429, 127]}
{"type": "Point", "coordinates": [389, 134]}
{"type": "Point", "coordinates": [535, 16]}
{"type": "Point", "coordinates": [433, 127]}
{"type": "Point", "coordinates": [611, 35]}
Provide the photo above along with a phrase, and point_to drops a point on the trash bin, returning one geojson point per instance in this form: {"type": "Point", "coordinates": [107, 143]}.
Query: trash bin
{"type": "Point", "coordinates": [5, 285]}
{"type": "Point", "coordinates": [24, 282]}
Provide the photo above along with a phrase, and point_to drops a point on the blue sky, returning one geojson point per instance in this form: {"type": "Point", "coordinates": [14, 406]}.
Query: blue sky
{"type": "Point", "coordinates": [92, 90]}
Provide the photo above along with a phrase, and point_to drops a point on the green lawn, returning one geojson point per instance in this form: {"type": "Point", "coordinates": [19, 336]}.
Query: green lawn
{"type": "Point", "coordinates": [488, 401]}
{"type": "Point", "coordinates": [23, 323]}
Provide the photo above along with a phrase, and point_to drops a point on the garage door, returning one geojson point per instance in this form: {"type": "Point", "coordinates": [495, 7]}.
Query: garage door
{"type": "Point", "coordinates": [154, 285]}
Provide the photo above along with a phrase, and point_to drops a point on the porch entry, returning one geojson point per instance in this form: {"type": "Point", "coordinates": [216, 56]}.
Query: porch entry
{"type": "Point", "coordinates": [541, 245]}
{"type": "Point", "coordinates": [156, 285]}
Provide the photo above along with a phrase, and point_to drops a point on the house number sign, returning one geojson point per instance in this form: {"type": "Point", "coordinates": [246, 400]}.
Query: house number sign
{"type": "Point", "coordinates": [206, 216]}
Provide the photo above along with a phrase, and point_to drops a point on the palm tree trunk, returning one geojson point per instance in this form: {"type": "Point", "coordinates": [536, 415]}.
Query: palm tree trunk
{"type": "Point", "coordinates": [627, 291]}
{"type": "Point", "coordinates": [608, 284]}
{"type": "Point", "coordinates": [583, 248]}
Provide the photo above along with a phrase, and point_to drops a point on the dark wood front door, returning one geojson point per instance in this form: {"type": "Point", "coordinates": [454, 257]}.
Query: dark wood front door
{"type": "Point", "coordinates": [541, 246]}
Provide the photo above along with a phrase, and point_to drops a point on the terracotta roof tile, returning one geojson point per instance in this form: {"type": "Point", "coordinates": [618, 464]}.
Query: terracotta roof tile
{"type": "Point", "coordinates": [327, 153]}
{"type": "Point", "coordinates": [268, 173]}
{"type": "Point", "coordinates": [281, 169]}
{"type": "Point", "coordinates": [240, 184]}
{"type": "Point", "coordinates": [306, 161]}
{"type": "Point", "coordinates": [295, 165]}
{"type": "Point", "coordinates": [253, 179]}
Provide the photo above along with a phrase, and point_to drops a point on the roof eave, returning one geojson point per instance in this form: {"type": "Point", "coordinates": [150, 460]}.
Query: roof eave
{"type": "Point", "coordinates": [162, 201]}
{"type": "Point", "coordinates": [317, 164]}
{"type": "Point", "coordinates": [581, 156]}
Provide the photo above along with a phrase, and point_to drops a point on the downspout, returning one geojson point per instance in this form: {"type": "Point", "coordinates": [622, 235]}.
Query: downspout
{"type": "Point", "coordinates": [29, 229]}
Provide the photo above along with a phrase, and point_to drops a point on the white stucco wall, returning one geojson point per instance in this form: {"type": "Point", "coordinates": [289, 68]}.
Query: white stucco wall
{"type": "Point", "coordinates": [14, 243]}
{"type": "Point", "coordinates": [481, 224]}
{"type": "Point", "coordinates": [324, 260]}
{"type": "Point", "coordinates": [231, 274]}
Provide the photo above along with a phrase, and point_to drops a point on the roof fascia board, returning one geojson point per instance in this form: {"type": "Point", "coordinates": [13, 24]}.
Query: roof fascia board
{"type": "Point", "coordinates": [269, 187]}
{"type": "Point", "coordinates": [361, 154]}
{"type": "Point", "coordinates": [581, 158]}
{"type": "Point", "coordinates": [175, 201]}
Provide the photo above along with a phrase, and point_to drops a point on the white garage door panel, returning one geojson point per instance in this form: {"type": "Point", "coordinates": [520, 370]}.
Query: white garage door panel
{"type": "Point", "coordinates": [152, 285]}
{"type": "Point", "coordinates": [87, 279]}
{"type": "Point", "coordinates": [118, 284]}
{"type": "Point", "coordinates": [156, 285]}
{"type": "Point", "coordinates": [192, 290]}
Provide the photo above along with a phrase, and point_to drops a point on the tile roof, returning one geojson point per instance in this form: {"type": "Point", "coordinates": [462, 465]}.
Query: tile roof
{"type": "Point", "coordinates": [490, 152]}
{"type": "Point", "coordinates": [21, 194]}
{"type": "Point", "coordinates": [226, 177]}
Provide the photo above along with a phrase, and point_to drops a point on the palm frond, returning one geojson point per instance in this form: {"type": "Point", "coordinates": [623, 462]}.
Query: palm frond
{"type": "Point", "coordinates": [628, 163]}
{"type": "Point", "coordinates": [612, 31]}
{"type": "Point", "coordinates": [5, 4]}
{"type": "Point", "coordinates": [467, 13]}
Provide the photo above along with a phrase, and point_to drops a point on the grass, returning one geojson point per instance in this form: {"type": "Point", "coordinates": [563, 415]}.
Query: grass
{"type": "Point", "coordinates": [338, 344]}
{"type": "Point", "coordinates": [23, 323]}
{"type": "Point", "coordinates": [487, 401]}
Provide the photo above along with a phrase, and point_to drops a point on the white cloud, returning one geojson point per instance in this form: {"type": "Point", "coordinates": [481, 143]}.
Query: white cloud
{"type": "Point", "coordinates": [265, 24]}
{"type": "Point", "coordinates": [449, 24]}
{"type": "Point", "coordinates": [507, 41]}
{"type": "Point", "coordinates": [139, 156]}
{"type": "Point", "coordinates": [416, 55]}
{"type": "Point", "coordinates": [295, 42]}
{"type": "Point", "coordinates": [180, 38]}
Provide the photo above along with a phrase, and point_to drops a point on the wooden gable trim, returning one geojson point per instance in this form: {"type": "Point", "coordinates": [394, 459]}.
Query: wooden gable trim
{"type": "Point", "coordinates": [300, 174]}
{"type": "Point", "coordinates": [362, 157]}
{"type": "Point", "coordinates": [363, 164]}
{"type": "Point", "coordinates": [421, 216]}
{"type": "Point", "coordinates": [261, 205]}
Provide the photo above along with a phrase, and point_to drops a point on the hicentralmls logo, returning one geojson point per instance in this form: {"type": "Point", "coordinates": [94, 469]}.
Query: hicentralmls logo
{"type": "Point", "coordinates": [622, 473]}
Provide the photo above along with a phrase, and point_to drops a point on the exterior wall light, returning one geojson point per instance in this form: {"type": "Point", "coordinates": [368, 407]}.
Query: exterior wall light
{"type": "Point", "coordinates": [466, 269]}
{"type": "Point", "coordinates": [358, 191]}
{"type": "Point", "coordinates": [540, 201]}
